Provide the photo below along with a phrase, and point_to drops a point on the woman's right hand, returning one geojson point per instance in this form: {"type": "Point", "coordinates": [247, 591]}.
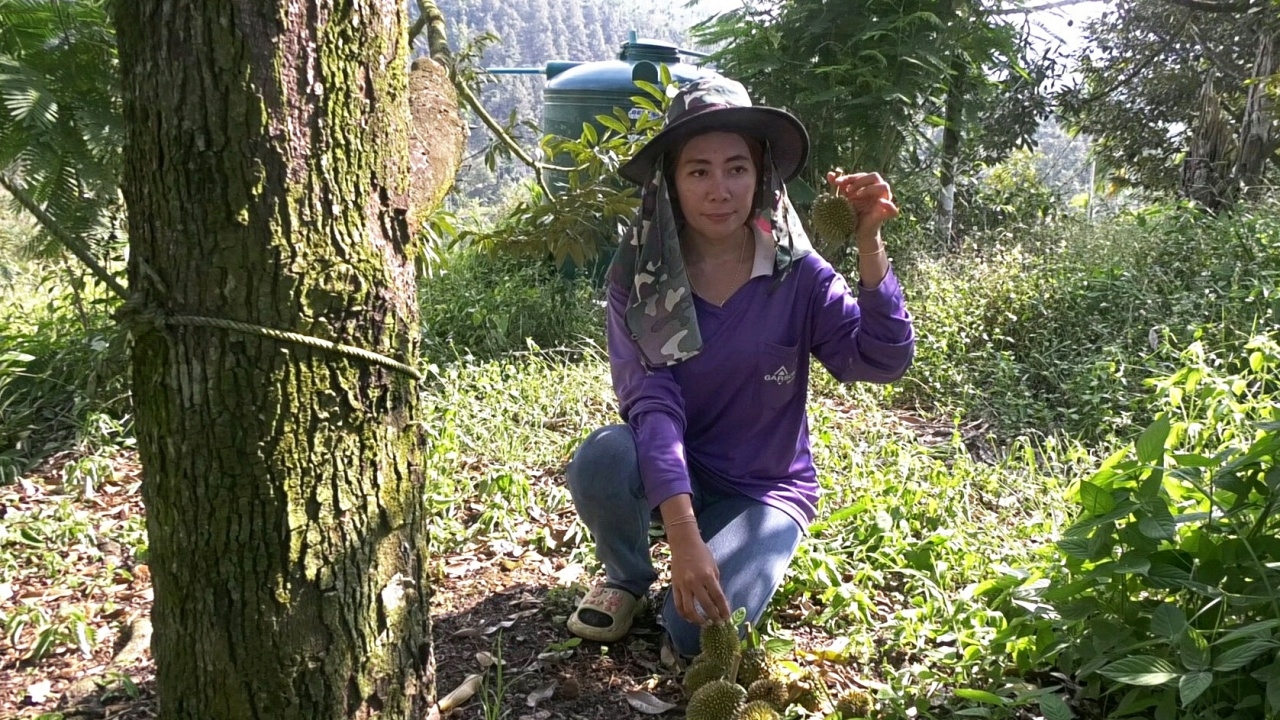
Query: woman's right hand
{"type": "Point", "coordinates": [695, 577]}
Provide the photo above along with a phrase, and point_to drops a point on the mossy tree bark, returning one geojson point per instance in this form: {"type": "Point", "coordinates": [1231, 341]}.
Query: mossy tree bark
{"type": "Point", "coordinates": [266, 182]}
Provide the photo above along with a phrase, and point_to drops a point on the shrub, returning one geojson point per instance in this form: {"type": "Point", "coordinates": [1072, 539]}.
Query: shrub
{"type": "Point", "coordinates": [1166, 593]}
{"type": "Point", "coordinates": [485, 306]}
{"type": "Point", "coordinates": [1059, 329]}
{"type": "Point", "coordinates": [63, 369]}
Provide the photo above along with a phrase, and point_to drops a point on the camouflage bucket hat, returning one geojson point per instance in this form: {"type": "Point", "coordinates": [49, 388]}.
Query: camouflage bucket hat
{"type": "Point", "coordinates": [718, 104]}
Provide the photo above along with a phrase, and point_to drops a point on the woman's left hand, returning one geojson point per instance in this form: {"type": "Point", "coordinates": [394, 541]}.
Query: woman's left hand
{"type": "Point", "coordinates": [871, 197]}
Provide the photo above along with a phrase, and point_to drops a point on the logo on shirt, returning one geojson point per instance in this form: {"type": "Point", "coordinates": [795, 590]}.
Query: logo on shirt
{"type": "Point", "coordinates": [782, 376]}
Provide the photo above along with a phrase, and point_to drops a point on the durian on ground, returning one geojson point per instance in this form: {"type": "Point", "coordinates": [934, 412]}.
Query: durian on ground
{"type": "Point", "coordinates": [717, 700]}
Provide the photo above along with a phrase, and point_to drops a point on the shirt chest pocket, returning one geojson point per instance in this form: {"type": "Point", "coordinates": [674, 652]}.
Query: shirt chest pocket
{"type": "Point", "coordinates": [777, 373]}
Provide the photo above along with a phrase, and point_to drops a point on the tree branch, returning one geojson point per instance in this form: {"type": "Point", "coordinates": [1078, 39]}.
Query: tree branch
{"type": "Point", "coordinates": [1241, 6]}
{"type": "Point", "coordinates": [1223, 64]}
{"type": "Point", "coordinates": [72, 243]}
{"type": "Point", "coordinates": [430, 17]}
{"type": "Point", "coordinates": [496, 128]}
{"type": "Point", "coordinates": [1038, 8]}
{"type": "Point", "coordinates": [1138, 68]}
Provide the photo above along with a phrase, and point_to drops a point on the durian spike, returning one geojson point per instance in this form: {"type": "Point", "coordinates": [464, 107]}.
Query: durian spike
{"type": "Point", "coordinates": [834, 220]}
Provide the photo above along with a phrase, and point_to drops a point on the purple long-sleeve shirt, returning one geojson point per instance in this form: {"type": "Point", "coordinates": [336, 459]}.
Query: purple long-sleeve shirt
{"type": "Point", "coordinates": [735, 412]}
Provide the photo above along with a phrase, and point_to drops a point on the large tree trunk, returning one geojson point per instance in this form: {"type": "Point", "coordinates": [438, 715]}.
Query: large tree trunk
{"type": "Point", "coordinates": [266, 181]}
{"type": "Point", "coordinates": [945, 213]}
{"type": "Point", "coordinates": [1206, 172]}
{"type": "Point", "coordinates": [1258, 135]}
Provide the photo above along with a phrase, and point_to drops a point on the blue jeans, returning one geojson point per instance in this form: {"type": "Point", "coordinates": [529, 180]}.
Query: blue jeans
{"type": "Point", "coordinates": [751, 542]}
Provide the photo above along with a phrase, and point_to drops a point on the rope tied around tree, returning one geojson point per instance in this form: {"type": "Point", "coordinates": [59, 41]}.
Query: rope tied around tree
{"type": "Point", "coordinates": [131, 315]}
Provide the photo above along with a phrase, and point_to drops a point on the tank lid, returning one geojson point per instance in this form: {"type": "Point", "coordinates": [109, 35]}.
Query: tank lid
{"type": "Point", "coordinates": [649, 49]}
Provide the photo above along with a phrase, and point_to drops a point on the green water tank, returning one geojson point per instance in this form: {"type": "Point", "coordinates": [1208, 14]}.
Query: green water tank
{"type": "Point", "coordinates": [576, 92]}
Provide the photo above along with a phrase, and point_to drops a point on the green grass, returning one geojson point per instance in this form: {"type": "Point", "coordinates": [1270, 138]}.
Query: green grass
{"type": "Point", "coordinates": [63, 364]}
{"type": "Point", "coordinates": [1054, 330]}
{"type": "Point", "coordinates": [938, 552]}
{"type": "Point", "coordinates": [480, 307]}
{"type": "Point", "coordinates": [908, 531]}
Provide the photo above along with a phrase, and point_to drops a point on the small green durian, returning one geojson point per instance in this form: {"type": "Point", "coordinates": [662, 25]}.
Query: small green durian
{"type": "Point", "coordinates": [833, 219]}
{"type": "Point", "coordinates": [855, 703]}
{"type": "Point", "coordinates": [770, 690]}
{"type": "Point", "coordinates": [758, 710]}
{"type": "Point", "coordinates": [701, 673]}
{"type": "Point", "coordinates": [755, 665]}
{"type": "Point", "coordinates": [720, 643]}
{"type": "Point", "coordinates": [717, 700]}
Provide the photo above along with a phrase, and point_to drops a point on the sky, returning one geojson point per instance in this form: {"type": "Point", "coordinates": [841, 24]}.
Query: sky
{"type": "Point", "coordinates": [1064, 22]}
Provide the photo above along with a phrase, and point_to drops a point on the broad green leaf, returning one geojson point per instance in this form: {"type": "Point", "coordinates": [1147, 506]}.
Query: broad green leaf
{"type": "Point", "coordinates": [1193, 650]}
{"type": "Point", "coordinates": [1268, 673]}
{"type": "Point", "coordinates": [1168, 621]}
{"type": "Point", "coordinates": [611, 123]}
{"type": "Point", "coordinates": [1149, 490]}
{"type": "Point", "coordinates": [1103, 541]}
{"type": "Point", "coordinates": [1078, 548]}
{"type": "Point", "coordinates": [1004, 582]}
{"type": "Point", "coordinates": [1192, 460]}
{"type": "Point", "coordinates": [981, 696]}
{"type": "Point", "coordinates": [1241, 655]}
{"type": "Point", "coordinates": [1065, 592]}
{"type": "Point", "coordinates": [1273, 695]}
{"type": "Point", "coordinates": [1150, 444]}
{"type": "Point", "coordinates": [1272, 479]}
{"type": "Point", "coordinates": [1159, 523]}
{"type": "Point", "coordinates": [1053, 707]}
{"type": "Point", "coordinates": [1166, 575]}
{"type": "Point", "coordinates": [1259, 630]}
{"type": "Point", "coordinates": [650, 88]}
{"type": "Point", "coordinates": [843, 514]}
{"type": "Point", "coordinates": [1167, 708]}
{"type": "Point", "coordinates": [1079, 610]}
{"type": "Point", "coordinates": [1095, 500]}
{"type": "Point", "coordinates": [1135, 701]}
{"type": "Point", "coordinates": [1132, 563]}
{"type": "Point", "coordinates": [1192, 685]}
{"type": "Point", "coordinates": [1140, 670]}
{"type": "Point", "coordinates": [1112, 467]}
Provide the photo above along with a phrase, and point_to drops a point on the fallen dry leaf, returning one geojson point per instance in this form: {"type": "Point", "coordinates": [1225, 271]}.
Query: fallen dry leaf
{"type": "Point", "coordinates": [499, 626]}
{"type": "Point", "coordinates": [569, 573]}
{"type": "Point", "coordinates": [460, 694]}
{"type": "Point", "coordinates": [540, 694]}
{"type": "Point", "coordinates": [667, 656]}
{"type": "Point", "coordinates": [37, 693]}
{"type": "Point", "coordinates": [646, 703]}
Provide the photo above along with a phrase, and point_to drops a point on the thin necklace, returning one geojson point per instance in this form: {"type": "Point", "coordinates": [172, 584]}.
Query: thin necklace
{"type": "Point", "coordinates": [742, 256]}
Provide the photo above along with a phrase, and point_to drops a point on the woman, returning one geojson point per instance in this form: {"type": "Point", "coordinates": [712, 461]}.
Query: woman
{"type": "Point", "coordinates": [716, 304]}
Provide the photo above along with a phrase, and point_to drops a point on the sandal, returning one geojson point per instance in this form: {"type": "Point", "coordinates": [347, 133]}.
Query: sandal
{"type": "Point", "coordinates": [609, 612]}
